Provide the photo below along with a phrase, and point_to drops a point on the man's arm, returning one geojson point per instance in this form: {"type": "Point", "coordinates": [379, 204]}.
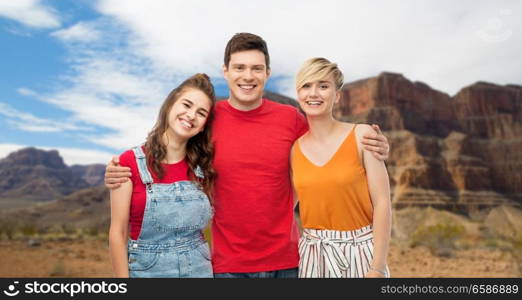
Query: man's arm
{"type": "Point", "coordinates": [115, 174]}
{"type": "Point", "coordinates": [376, 143]}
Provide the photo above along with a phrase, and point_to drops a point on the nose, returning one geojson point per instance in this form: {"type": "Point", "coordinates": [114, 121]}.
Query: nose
{"type": "Point", "coordinates": [191, 114]}
{"type": "Point", "coordinates": [313, 91]}
{"type": "Point", "coordinates": [247, 75]}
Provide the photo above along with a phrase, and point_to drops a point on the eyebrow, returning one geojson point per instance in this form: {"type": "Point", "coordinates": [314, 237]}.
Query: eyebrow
{"type": "Point", "coordinates": [201, 108]}
{"type": "Point", "coordinates": [240, 64]}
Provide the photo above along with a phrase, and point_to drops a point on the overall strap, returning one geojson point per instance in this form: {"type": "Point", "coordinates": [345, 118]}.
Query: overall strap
{"type": "Point", "coordinates": [141, 161]}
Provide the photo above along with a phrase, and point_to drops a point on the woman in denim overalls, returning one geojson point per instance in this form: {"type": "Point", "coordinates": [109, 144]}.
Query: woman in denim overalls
{"type": "Point", "coordinates": [173, 214]}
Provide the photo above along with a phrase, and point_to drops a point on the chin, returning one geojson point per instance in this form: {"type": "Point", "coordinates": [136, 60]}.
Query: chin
{"type": "Point", "coordinates": [249, 96]}
{"type": "Point", "coordinates": [313, 113]}
{"type": "Point", "coordinates": [184, 134]}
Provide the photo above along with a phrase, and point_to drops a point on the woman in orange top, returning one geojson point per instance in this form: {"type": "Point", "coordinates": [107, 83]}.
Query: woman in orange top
{"type": "Point", "coordinates": [343, 190]}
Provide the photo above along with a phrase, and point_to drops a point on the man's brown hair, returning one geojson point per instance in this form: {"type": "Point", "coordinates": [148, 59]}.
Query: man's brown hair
{"type": "Point", "coordinates": [246, 41]}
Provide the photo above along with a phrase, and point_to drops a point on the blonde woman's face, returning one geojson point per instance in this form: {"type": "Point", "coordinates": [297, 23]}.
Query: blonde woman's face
{"type": "Point", "coordinates": [318, 97]}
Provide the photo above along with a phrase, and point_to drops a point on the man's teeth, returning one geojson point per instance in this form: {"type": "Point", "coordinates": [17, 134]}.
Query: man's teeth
{"type": "Point", "coordinates": [314, 102]}
{"type": "Point", "coordinates": [246, 87]}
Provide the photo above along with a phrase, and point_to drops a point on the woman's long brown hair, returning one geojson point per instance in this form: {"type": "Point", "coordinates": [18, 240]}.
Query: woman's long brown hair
{"type": "Point", "coordinates": [200, 150]}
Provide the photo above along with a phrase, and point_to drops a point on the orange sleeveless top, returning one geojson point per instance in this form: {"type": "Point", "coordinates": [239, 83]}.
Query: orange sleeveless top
{"type": "Point", "coordinates": [334, 196]}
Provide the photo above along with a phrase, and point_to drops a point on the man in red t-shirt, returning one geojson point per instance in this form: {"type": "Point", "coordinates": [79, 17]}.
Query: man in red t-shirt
{"type": "Point", "coordinates": [254, 233]}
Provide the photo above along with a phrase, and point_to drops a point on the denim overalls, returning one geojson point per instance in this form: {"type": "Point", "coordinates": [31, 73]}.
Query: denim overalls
{"type": "Point", "coordinates": [171, 241]}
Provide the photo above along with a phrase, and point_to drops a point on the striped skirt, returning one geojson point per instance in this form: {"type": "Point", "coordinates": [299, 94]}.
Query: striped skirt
{"type": "Point", "coordinates": [335, 254]}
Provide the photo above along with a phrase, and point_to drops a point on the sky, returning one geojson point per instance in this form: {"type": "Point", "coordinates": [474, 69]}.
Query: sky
{"type": "Point", "coordinates": [88, 77]}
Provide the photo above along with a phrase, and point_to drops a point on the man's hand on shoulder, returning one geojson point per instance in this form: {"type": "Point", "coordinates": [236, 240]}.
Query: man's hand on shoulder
{"type": "Point", "coordinates": [115, 174]}
{"type": "Point", "coordinates": [375, 142]}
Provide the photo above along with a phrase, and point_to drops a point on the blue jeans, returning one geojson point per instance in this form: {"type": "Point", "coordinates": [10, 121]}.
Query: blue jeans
{"type": "Point", "coordinates": [286, 273]}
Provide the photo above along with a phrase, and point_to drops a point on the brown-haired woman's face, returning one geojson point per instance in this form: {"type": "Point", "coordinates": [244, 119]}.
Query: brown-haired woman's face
{"type": "Point", "coordinates": [189, 113]}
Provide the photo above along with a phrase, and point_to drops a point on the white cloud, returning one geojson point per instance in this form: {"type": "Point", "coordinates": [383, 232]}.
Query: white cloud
{"type": "Point", "coordinates": [138, 51]}
{"type": "Point", "coordinates": [446, 44]}
{"type": "Point", "coordinates": [111, 86]}
{"type": "Point", "coordinates": [31, 13]}
{"type": "Point", "coordinates": [26, 92]}
{"type": "Point", "coordinates": [81, 32]}
{"type": "Point", "coordinates": [28, 122]}
{"type": "Point", "coordinates": [129, 123]}
{"type": "Point", "coordinates": [113, 93]}
{"type": "Point", "coordinates": [71, 156]}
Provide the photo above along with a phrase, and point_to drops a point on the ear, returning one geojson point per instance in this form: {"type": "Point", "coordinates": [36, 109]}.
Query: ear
{"type": "Point", "coordinates": [337, 96]}
{"type": "Point", "coordinates": [225, 72]}
{"type": "Point", "coordinates": [268, 72]}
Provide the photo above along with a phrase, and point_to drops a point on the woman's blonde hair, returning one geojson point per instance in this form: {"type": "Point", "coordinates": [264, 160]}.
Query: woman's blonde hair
{"type": "Point", "coordinates": [319, 68]}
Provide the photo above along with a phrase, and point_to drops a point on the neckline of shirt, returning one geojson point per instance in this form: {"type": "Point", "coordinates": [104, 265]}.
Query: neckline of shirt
{"type": "Point", "coordinates": [254, 111]}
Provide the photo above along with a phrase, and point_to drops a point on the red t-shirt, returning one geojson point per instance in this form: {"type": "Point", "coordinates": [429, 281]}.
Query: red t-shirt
{"type": "Point", "coordinates": [173, 173]}
{"type": "Point", "coordinates": [253, 229]}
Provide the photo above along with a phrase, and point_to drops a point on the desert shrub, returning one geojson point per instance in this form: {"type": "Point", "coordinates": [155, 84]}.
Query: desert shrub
{"type": "Point", "coordinates": [92, 231]}
{"type": "Point", "coordinates": [498, 243]}
{"type": "Point", "coordinates": [42, 230]}
{"type": "Point", "coordinates": [438, 237]}
{"type": "Point", "coordinates": [517, 252]}
{"type": "Point", "coordinates": [517, 242]}
{"type": "Point", "coordinates": [59, 232]}
{"type": "Point", "coordinates": [491, 243]}
{"type": "Point", "coordinates": [7, 230]}
{"type": "Point", "coordinates": [54, 232]}
{"type": "Point", "coordinates": [79, 233]}
{"type": "Point", "coordinates": [28, 230]}
{"type": "Point", "coordinates": [68, 229]}
{"type": "Point", "coordinates": [55, 229]}
{"type": "Point", "coordinates": [58, 269]}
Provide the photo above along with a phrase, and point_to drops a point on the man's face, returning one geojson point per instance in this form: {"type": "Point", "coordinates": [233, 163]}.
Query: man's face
{"type": "Point", "coordinates": [246, 75]}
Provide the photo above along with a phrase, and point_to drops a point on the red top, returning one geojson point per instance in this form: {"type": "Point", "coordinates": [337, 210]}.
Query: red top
{"type": "Point", "coordinates": [254, 229]}
{"type": "Point", "coordinates": [173, 173]}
